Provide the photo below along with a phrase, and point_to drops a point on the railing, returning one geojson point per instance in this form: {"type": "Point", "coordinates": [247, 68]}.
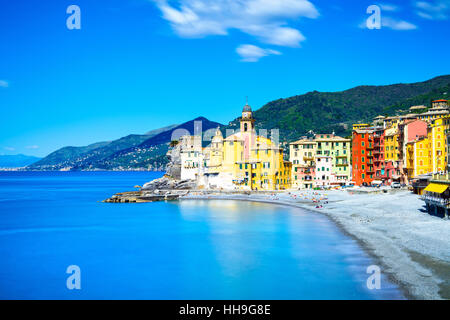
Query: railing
{"type": "Point", "coordinates": [441, 177]}
{"type": "Point", "coordinates": [435, 200]}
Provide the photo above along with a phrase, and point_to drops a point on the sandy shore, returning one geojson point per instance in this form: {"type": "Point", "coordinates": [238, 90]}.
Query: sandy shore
{"type": "Point", "coordinates": [412, 247]}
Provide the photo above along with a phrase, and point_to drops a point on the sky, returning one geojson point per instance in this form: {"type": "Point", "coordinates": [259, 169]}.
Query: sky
{"type": "Point", "coordinates": [137, 65]}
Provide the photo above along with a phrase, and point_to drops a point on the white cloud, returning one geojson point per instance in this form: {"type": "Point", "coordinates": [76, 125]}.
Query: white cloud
{"type": "Point", "coordinates": [395, 24]}
{"type": "Point", "coordinates": [9, 148]}
{"type": "Point", "coordinates": [251, 53]}
{"type": "Point", "coordinates": [436, 10]}
{"type": "Point", "coordinates": [32, 147]}
{"type": "Point", "coordinates": [388, 7]}
{"type": "Point", "coordinates": [267, 20]}
{"type": "Point", "coordinates": [392, 23]}
{"type": "Point", "coordinates": [4, 84]}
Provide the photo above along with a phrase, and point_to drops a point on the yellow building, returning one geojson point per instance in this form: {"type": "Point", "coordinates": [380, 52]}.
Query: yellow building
{"type": "Point", "coordinates": [391, 122]}
{"type": "Point", "coordinates": [437, 135]}
{"type": "Point", "coordinates": [391, 145]}
{"type": "Point", "coordinates": [358, 126]}
{"type": "Point", "coordinates": [439, 109]}
{"type": "Point", "coordinates": [243, 160]}
{"type": "Point", "coordinates": [302, 154]}
{"type": "Point", "coordinates": [418, 157]}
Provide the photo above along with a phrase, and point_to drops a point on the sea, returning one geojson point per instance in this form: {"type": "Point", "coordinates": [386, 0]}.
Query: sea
{"type": "Point", "coordinates": [58, 240]}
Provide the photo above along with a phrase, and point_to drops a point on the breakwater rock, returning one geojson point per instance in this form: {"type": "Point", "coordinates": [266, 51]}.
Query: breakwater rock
{"type": "Point", "coordinates": [146, 196]}
{"type": "Point", "coordinates": [165, 188]}
{"type": "Point", "coordinates": [168, 183]}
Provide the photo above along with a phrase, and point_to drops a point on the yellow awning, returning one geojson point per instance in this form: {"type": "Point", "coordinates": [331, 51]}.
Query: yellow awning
{"type": "Point", "coordinates": [436, 187]}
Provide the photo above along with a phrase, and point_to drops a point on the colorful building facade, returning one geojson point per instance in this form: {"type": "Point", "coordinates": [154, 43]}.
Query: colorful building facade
{"type": "Point", "coordinates": [324, 160]}
{"type": "Point", "coordinates": [242, 161]}
{"type": "Point", "coordinates": [362, 156]}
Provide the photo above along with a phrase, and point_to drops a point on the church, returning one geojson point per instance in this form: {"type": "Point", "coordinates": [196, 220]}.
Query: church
{"type": "Point", "coordinates": [240, 161]}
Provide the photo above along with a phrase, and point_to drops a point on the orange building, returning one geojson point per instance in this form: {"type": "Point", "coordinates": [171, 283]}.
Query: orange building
{"type": "Point", "coordinates": [362, 156]}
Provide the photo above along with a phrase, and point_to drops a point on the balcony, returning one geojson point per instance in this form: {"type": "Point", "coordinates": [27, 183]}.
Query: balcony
{"type": "Point", "coordinates": [341, 156]}
{"type": "Point", "coordinates": [308, 158]}
{"type": "Point", "coordinates": [341, 164]}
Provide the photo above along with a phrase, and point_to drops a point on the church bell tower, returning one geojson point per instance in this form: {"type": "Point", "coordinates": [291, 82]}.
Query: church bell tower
{"type": "Point", "coordinates": [247, 121]}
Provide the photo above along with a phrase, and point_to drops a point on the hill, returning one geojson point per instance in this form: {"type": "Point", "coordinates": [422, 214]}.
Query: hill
{"type": "Point", "coordinates": [133, 152]}
{"type": "Point", "coordinates": [336, 111]}
{"type": "Point", "coordinates": [16, 160]}
{"type": "Point", "coordinates": [152, 152]}
{"type": "Point", "coordinates": [69, 157]}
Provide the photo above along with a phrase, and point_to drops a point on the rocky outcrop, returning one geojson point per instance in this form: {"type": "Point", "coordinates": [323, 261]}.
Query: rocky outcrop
{"type": "Point", "coordinates": [168, 183]}
{"type": "Point", "coordinates": [146, 196]}
{"type": "Point", "coordinates": [169, 187]}
{"type": "Point", "coordinates": [173, 168]}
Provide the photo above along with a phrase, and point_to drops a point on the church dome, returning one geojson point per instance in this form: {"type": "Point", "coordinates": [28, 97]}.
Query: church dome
{"type": "Point", "coordinates": [247, 108]}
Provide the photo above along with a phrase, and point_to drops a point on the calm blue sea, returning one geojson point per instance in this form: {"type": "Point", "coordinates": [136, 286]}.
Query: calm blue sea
{"type": "Point", "coordinates": [167, 250]}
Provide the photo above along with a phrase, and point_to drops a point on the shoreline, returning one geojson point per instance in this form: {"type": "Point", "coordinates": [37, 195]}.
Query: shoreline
{"type": "Point", "coordinates": [415, 277]}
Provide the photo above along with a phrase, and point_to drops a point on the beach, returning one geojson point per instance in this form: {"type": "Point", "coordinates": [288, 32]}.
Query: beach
{"type": "Point", "coordinates": [412, 247]}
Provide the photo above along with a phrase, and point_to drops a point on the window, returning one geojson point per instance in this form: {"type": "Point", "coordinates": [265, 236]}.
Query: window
{"type": "Point", "coordinates": [363, 159]}
{"type": "Point", "coordinates": [362, 143]}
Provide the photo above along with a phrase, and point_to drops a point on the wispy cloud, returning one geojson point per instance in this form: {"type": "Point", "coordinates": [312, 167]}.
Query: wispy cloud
{"type": "Point", "coordinates": [9, 148]}
{"type": "Point", "coordinates": [435, 10]}
{"type": "Point", "coordinates": [4, 84]}
{"type": "Point", "coordinates": [394, 24]}
{"type": "Point", "coordinates": [388, 7]}
{"type": "Point", "coordinates": [32, 147]}
{"type": "Point", "coordinates": [252, 53]}
{"type": "Point", "coordinates": [265, 20]}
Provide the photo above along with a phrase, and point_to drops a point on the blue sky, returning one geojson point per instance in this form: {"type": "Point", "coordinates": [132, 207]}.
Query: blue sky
{"type": "Point", "coordinates": [136, 65]}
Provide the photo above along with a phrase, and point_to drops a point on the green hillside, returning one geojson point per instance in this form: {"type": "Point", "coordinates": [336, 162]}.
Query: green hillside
{"type": "Point", "coordinates": [85, 156]}
{"type": "Point", "coordinates": [336, 111]}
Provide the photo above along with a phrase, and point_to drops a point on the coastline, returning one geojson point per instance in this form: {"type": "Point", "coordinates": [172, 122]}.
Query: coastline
{"type": "Point", "coordinates": [407, 261]}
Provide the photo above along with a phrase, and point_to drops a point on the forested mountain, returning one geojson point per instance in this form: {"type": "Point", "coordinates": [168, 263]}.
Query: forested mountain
{"type": "Point", "coordinates": [337, 111]}
{"type": "Point", "coordinates": [132, 152]}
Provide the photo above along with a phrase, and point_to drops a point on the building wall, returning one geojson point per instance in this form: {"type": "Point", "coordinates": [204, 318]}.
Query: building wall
{"type": "Point", "coordinates": [362, 169]}
{"type": "Point", "coordinates": [302, 156]}
{"type": "Point", "coordinates": [324, 171]}
{"type": "Point", "coordinates": [437, 137]}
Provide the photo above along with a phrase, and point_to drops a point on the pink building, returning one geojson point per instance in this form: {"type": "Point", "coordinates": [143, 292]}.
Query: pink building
{"type": "Point", "coordinates": [324, 175]}
{"type": "Point", "coordinates": [305, 175]}
{"type": "Point", "coordinates": [409, 131]}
